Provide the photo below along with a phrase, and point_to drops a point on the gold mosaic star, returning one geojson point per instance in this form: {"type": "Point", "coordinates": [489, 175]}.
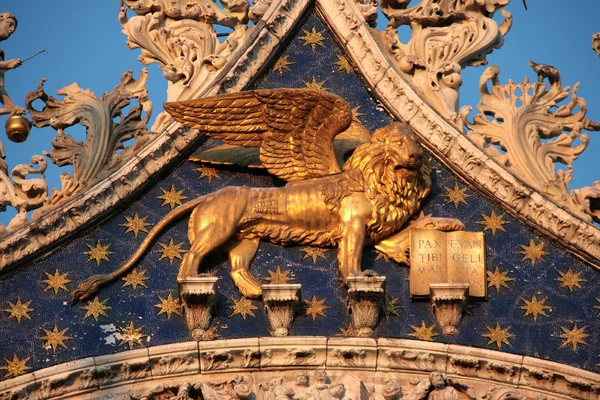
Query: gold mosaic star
{"type": "Point", "coordinates": [207, 172]}
{"type": "Point", "coordinates": [56, 281]}
{"type": "Point", "coordinates": [313, 38]}
{"type": "Point", "coordinates": [98, 252]}
{"type": "Point", "coordinates": [349, 331]}
{"type": "Point", "coordinates": [492, 222]}
{"type": "Point", "coordinates": [136, 224]}
{"type": "Point", "coordinates": [210, 333]}
{"type": "Point", "coordinates": [598, 306]}
{"type": "Point", "coordinates": [171, 251]}
{"type": "Point", "coordinates": [172, 197]}
{"type": "Point", "coordinates": [314, 253]}
{"type": "Point", "coordinates": [15, 367]}
{"type": "Point", "coordinates": [570, 279]}
{"type": "Point", "coordinates": [131, 335]}
{"type": "Point", "coordinates": [279, 276]}
{"type": "Point", "coordinates": [168, 306]}
{"type": "Point", "coordinates": [573, 336]}
{"type": "Point", "coordinates": [420, 217]}
{"type": "Point", "coordinates": [356, 114]}
{"type": "Point", "coordinates": [55, 338]}
{"type": "Point", "coordinates": [534, 307]}
{"type": "Point", "coordinates": [282, 65]}
{"type": "Point", "coordinates": [498, 335]}
{"type": "Point", "coordinates": [381, 255]}
{"type": "Point", "coordinates": [314, 85]}
{"type": "Point", "coordinates": [390, 308]}
{"type": "Point", "coordinates": [498, 278]}
{"type": "Point", "coordinates": [423, 332]}
{"type": "Point", "coordinates": [456, 195]}
{"type": "Point", "coordinates": [19, 310]}
{"type": "Point", "coordinates": [135, 278]}
{"type": "Point", "coordinates": [243, 307]}
{"type": "Point", "coordinates": [343, 64]}
{"type": "Point", "coordinates": [533, 252]}
{"type": "Point", "coordinates": [96, 308]}
{"type": "Point", "coordinates": [316, 307]}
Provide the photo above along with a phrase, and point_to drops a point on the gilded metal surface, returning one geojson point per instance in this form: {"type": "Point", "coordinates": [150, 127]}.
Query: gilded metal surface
{"type": "Point", "coordinates": [447, 257]}
{"type": "Point", "coordinates": [380, 186]}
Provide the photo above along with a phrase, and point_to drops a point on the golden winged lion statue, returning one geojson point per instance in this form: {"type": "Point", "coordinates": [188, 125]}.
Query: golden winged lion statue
{"type": "Point", "coordinates": [380, 186]}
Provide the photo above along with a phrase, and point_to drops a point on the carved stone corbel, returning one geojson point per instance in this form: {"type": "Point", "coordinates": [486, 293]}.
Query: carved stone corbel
{"type": "Point", "coordinates": [449, 301]}
{"type": "Point", "coordinates": [280, 305]}
{"type": "Point", "coordinates": [366, 293]}
{"type": "Point", "coordinates": [199, 299]}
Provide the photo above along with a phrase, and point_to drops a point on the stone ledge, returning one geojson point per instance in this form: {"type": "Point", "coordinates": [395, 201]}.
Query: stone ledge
{"type": "Point", "coordinates": [386, 356]}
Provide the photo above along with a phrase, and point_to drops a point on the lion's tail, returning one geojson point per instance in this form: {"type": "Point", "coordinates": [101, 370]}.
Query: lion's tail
{"type": "Point", "coordinates": [89, 287]}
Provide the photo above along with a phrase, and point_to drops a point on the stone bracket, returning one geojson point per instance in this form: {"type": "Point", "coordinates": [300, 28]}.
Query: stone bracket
{"type": "Point", "coordinates": [449, 301]}
{"type": "Point", "coordinates": [199, 299]}
{"type": "Point", "coordinates": [281, 305]}
{"type": "Point", "coordinates": [366, 295]}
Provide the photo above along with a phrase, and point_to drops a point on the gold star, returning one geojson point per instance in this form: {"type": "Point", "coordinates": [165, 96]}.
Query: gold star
{"type": "Point", "coordinates": [420, 217]}
{"type": "Point", "coordinates": [343, 64]}
{"type": "Point", "coordinates": [349, 331]}
{"type": "Point", "coordinates": [423, 332]}
{"type": "Point", "coordinates": [498, 278]}
{"type": "Point", "coordinates": [98, 253]}
{"type": "Point", "coordinates": [243, 307]}
{"type": "Point", "coordinates": [498, 335]}
{"type": "Point", "coordinates": [207, 172]}
{"type": "Point", "coordinates": [279, 276]}
{"type": "Point", "coordinates": [172, 197]}
{"type": "Point", "coordinates": [570, 279]}
{"type": "Point", "coordinates": [492, 222]}
{"type": "Point", "coordinates": [314, 252]}
{"type": "Point", "coordinates": [313, 38]}
{"type": "Point", "coordinates": [136, 224]}
{"type": "Point", "coordinates": [131, 335]}
{"type": "Point", "coordinates": [168, 306]}
{"type": "Point", "coordinates": [54, 338]}
{"type": "Point", "coordinates": [210, 333]}
{"type": "Point", "coordinates": [574, 336]}
{"type": "Point", "coordinates": [316, 307]}
{"type": "Point", "coordinates": [56, 281]}
{"type": "Point", "coordinates": [96, 308]}
{"type": "Point", "coordinates": [598, 306]}
{"type": "Point", "coordinates": [381, 255]}
{"type": "Point", "coordinates": [534, 307]}
{"type": "Point", "coordinates": [356, 114]}
{"type": "Point", "coordinates": [533, 252]}
{"type": "Point", "coordinates": [456, 195]}
{"type": "Point", "coordinates": [171, 251]}
{"type": "Point", "coordinates": [314, 85]}
{"type": "Point", "coordinates": [135, 278]}
{"type": "Point", "coordinates": [19, 310]}
{"type": "Point", "coordinates": [390, 308]}
{"type": "Point", "coordinates": [282, 64]}
{"type": "Point", "coordinates": [15, 367]}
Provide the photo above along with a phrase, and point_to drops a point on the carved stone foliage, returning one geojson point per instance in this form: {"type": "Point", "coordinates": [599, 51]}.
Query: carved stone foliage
{"type": "Point", "coordinates": [447, 35]}
{"type": "Point", "coordinates": [20, 191]}
{"type": "Point", "coordinates": [199, 299]}
{"type": "Point", "coordinates": [524, 128]}
{"type": "Point", "coordinates": [107, 129]}
{"type": "Point", "coordinates": [171, 372]}
{"type": "Point", "coordinates": [180, 36]}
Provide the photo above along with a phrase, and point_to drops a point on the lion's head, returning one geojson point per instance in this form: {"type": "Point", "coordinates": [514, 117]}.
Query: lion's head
{"type": "Point", "coordinates": [394, 173]}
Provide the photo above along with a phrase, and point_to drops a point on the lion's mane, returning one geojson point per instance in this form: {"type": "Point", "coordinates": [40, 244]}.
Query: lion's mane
{"type": "Point", "coordinates": [371, 169]}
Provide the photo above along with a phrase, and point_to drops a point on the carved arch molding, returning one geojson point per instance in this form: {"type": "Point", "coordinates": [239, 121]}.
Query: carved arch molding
{"type": "Point", "coordinates": [308, 368]}
{"type": "Point", "coordinates": [237, 67]}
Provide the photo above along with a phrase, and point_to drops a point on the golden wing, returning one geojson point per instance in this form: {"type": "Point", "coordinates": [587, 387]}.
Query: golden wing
{"type": "Point", "coordinates": [293, 128]}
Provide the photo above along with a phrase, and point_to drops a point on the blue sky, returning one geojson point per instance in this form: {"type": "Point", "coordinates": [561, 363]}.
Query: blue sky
{"type": "Point", "coordinates": [85, 45]}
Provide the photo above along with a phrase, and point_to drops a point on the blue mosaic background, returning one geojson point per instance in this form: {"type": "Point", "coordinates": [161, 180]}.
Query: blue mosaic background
{"type": "Point", "coordinates": [88, 337]}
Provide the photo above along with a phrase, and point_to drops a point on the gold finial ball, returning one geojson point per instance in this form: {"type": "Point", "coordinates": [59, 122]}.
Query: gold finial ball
{"type": "Point", "coordinates": [17, 128]}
